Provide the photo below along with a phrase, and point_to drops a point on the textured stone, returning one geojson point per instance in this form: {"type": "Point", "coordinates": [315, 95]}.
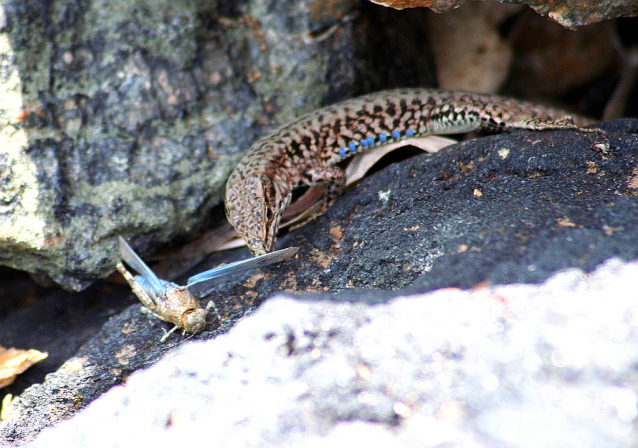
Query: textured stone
{"type": "Point", "coordinates": [502, 209]}
{"type": "Point", "coordinates": [126, 118]}
{"type": "Point", "coordinates": [566, 12]}
{"type": "Point", "coordinates": [519, 365]}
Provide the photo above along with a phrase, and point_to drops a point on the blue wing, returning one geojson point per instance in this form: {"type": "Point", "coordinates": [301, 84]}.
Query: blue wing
{"type": "Point", "coordinates": [150, 290]}
{"type": "Point", "coordinates": [153, 286]}
{"type": "Point", "coordinates": [243, 265]}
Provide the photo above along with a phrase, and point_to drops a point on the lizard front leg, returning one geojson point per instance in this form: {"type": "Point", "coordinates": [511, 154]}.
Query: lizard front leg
{"type": "Point", "coordinates": [333, 180]}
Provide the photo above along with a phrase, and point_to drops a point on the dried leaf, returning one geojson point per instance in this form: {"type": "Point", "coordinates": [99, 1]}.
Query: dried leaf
{"type": "Point", "coordinates": [6, 411]}
{"type": "Point", "coordinates": [13, 362]}
{"type": "Point", "coordinates": [618, 102]}
{"type": "Point", "coordinates": [469, 50]}
{"type": "Point", "coordinates": [362, 163]}
{"type": "Point", "coordinates": [550, 62]}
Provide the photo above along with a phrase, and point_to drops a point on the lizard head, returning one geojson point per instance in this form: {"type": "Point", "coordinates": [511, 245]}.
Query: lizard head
{"type": "Point", "coordinates": [253, 208]}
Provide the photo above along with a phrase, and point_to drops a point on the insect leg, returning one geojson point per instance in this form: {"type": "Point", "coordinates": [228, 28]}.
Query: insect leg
{"type": "Point", "coordinates": [139, 292]}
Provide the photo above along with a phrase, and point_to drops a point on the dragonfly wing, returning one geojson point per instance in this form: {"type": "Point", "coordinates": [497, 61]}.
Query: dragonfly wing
{"type": "Point", "coordinates": [244, 265]}
{"type": "Point", "coordinates": [154, 286]}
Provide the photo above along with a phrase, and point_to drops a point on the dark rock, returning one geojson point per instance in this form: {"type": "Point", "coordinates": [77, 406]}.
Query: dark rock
{"type": "Point", "coordinates": [548, 202]}
{"type": "Point", "coordinates": [503, 209]}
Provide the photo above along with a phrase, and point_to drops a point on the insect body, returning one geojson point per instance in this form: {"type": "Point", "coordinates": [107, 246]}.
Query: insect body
{"type": "Point", "coordinates": [173, 303]}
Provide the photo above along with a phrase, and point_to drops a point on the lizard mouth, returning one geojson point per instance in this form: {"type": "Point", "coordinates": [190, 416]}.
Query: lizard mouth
{"type": "Point", "coordinates": [252, 209]}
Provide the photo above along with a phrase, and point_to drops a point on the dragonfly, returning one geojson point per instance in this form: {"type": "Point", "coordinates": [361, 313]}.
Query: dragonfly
{"type": "Point", "coordinates": [173, 303]}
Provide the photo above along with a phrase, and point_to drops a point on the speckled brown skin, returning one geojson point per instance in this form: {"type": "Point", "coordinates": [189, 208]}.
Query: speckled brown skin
{"type": "Point", "coordinates": [307, 149]}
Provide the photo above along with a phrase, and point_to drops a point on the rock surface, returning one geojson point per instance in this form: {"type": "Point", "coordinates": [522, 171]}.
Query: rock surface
{"type": "Point", "coordinates": [565, 12]}
{"type": "Point", "coordinates": [127, 120]}
{"type": "Point", "coordinates": [127, 117]}
{"type": "Point", "coordinates": [518, 365]}
{"type": "Point", "coordinates": [501, 209]}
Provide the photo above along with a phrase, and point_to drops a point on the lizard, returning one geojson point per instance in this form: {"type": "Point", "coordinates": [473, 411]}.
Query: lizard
{"type": "Point", "coordinates": [309, 149]}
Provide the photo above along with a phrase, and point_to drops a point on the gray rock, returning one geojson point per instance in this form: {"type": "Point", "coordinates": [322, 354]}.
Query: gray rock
{"type": "Point", "coordinates": [519, 365]}
{"type": "Point", "coordinates": [126, 118]}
